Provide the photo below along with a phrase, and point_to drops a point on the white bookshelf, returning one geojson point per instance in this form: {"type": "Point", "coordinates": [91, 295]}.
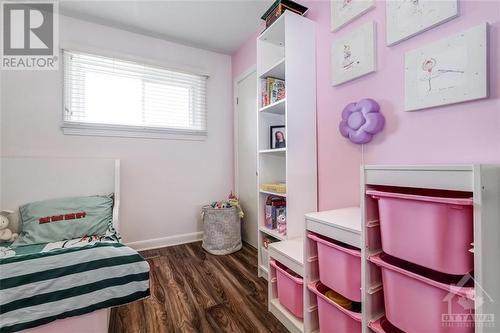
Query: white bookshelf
{"type": "Point", "coordinates": [287, 50]}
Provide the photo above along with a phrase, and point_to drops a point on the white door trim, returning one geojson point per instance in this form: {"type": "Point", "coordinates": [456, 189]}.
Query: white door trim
{"type": "Point", "coordinates": [238, 79]}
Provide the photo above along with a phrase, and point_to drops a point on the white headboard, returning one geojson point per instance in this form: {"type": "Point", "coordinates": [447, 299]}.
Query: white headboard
{"type": "Point", "coordinates": [28, 179]}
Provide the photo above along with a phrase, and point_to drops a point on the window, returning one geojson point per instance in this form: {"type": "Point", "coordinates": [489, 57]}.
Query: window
{"type": "Point", "coordinates": [107, 96]}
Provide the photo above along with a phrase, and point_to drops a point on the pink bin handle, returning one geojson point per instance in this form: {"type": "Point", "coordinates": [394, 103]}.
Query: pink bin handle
{"type": "Point", "coordinates": [352, 252]}
{"type": "Point", "coordinates": [461, 291]}
{"type": "Point", "coordinates": [354, 315]}
{"type": "Point", "coordinates": [376, 326]}
{"type": "Point", "coordinates": [451, 201]}
{"type": "Point", "coordinates": [290, 276]}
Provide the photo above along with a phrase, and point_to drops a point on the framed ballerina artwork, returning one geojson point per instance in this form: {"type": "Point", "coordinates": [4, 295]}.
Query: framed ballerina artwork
{"type": "Point", "coordinates": [345, 11]}
{"type": "Point", "coordinates": [353, 56]}
{"type": "Point", "coordinates": [407, 18]}
{"type": "Point", "coordinates": [448, 71]}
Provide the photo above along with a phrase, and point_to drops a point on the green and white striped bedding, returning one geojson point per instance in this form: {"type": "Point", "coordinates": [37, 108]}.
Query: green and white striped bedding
{"type": "Point", "coordinates": [37, 288]}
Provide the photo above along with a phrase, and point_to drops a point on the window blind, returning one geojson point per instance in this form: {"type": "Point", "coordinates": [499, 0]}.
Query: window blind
{"type": "Point", "coordinates": [107, 91]}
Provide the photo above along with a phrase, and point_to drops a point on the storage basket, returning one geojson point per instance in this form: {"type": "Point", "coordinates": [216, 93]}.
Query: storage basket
{"type": "Point", "coordinates": [221, 230]}
{"type": "Point", "coordinates": [290, 290]}
{"type": "Point", "coordinates": [418, 300]}
{"type": "Point", "coordinates": [333, 317]}
{"type": "Point", "coordinates": [339, 267]}
{"type": "Point", "coordinates": [433, 232]}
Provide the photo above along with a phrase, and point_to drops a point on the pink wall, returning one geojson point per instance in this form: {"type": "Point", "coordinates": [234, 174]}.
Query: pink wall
{"type": "Point", "coordinates": [461, 133]}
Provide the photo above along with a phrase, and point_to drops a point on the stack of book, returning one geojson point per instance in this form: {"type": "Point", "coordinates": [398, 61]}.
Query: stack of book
{"type": "Point", "coordinates": [273, 90]}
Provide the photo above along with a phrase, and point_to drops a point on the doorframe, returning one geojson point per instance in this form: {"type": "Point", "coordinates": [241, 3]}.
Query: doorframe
{"type": "Point", "coordinates": [249, 71]}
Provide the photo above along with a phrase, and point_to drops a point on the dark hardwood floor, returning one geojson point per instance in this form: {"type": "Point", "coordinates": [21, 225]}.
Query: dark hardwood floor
{"type": "Point", "coordinates": [193, 291]}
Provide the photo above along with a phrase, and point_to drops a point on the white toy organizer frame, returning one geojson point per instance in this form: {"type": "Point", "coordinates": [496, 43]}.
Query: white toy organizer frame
{"type": "Point", "coordinates": [483, 183]}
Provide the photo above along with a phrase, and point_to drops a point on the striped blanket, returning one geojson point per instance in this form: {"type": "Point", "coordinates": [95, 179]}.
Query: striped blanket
{"type": "Point", "coordinates": [38, 288]}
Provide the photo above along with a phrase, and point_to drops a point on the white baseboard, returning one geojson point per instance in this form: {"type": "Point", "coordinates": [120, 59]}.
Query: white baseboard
{"type": "Point", "coordinates": [166, 241]}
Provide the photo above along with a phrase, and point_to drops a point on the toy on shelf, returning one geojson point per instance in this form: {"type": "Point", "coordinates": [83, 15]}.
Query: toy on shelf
{"type": "Point", "coordinates": [273, 204]}
{"type": "Point", "coordinates": [281, 220]}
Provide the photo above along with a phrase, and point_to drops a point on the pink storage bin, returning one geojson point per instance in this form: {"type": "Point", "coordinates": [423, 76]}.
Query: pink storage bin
{"type": "Point", "coordinates": [290, 290]}
{"type": "Point", "coordinates": [333, 317]}
{"type": "Point", "coordinates": [433, 232]}
{"type": "Point", "coordinates": [417, 299]}
{"type": "Point", "coordinates": [339, 267]}
{"type": "Point", "coordinates": [382, 325]}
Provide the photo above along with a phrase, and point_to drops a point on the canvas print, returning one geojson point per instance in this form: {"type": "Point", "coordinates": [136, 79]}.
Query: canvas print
{"type": "Point", "coordinates": [353, 56]}
{"type": "Point", "coordinates": [449, 71]}
{"type": "Point", "coordinates": [407, 18]}
{"type": "Point", "coordinates": [345, 11]}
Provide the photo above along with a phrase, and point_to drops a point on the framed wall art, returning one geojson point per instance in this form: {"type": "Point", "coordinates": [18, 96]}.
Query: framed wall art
{"type": "Point", "coordinates": [345, 11]}
{"type": "Point", "coordinates": [353, 56]}
{"type": "Point", "coordinates": [448, 71]}
{"type": "Point", "coordinates": [405, 19]}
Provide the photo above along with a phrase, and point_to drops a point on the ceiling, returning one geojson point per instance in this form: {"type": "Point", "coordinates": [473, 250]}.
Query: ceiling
{"type": "Point", "coordinates": [216, 25]}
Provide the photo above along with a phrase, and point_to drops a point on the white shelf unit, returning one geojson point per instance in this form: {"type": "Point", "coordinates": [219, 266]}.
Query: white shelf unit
{"type": "Point", "coordinates": [287, 50]}
{"type": "Point", "coordinates": [482, 182]}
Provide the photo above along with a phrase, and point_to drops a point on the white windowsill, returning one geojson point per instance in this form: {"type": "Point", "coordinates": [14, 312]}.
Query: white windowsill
{"type": "Point", "coordinates": [124, 131]}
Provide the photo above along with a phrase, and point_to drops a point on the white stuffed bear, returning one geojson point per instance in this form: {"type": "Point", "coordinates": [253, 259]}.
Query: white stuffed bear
{"type": "Point", "coordinates": [6, 235]}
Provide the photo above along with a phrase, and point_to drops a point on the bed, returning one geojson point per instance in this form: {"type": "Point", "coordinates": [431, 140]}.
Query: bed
{"type": "Point", "coordinates": [69, 285]}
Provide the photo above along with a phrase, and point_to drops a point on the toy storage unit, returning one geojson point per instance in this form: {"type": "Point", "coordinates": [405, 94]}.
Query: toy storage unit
{"type": "Point", "coordinates": [290, 288]}
{"type": "Point", "coordinates": [286, 50]}
{"type": "Point", "coordinates": [286, 284]}
{"type": "Point", "coordinates": [332, 262]}
{"type": "Point", "coordinates": [430, 238]}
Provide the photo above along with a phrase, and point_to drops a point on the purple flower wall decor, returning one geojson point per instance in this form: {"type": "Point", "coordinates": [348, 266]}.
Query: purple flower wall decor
{"type": "Point", "coordinates": [361, 121]}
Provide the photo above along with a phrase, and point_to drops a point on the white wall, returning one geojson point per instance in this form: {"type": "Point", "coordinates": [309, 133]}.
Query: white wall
{"type": "Point", "coordinates": [164, 182]}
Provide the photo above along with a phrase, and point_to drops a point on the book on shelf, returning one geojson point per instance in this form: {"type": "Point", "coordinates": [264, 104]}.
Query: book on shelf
{"type": "Point", "coordinates": [272, 90]}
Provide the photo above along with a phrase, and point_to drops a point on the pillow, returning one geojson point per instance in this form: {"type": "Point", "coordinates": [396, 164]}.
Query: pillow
{"type": "Point", "coordinates": [67, 218]}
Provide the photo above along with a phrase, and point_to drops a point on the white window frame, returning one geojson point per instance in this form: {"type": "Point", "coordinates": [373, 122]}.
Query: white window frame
{"type": "Point", "coordinates": [128, 131]}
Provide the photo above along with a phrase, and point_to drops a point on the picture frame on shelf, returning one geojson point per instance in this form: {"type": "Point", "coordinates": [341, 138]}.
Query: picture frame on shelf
{"type": "Point", "coordinates": [405, 19]}
{"type": "Point", "coordinates": [353, 55]}
{"type": "Point", "coordinates": [343, 12]}
{"type": "Point", "coordinates": [277, 136]}
{"type": "Point", "coordinates": [451, 70]}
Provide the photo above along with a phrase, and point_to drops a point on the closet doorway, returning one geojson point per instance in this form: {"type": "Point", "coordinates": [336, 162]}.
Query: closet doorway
{"type": "Point", "coordinates": [246, 151]}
